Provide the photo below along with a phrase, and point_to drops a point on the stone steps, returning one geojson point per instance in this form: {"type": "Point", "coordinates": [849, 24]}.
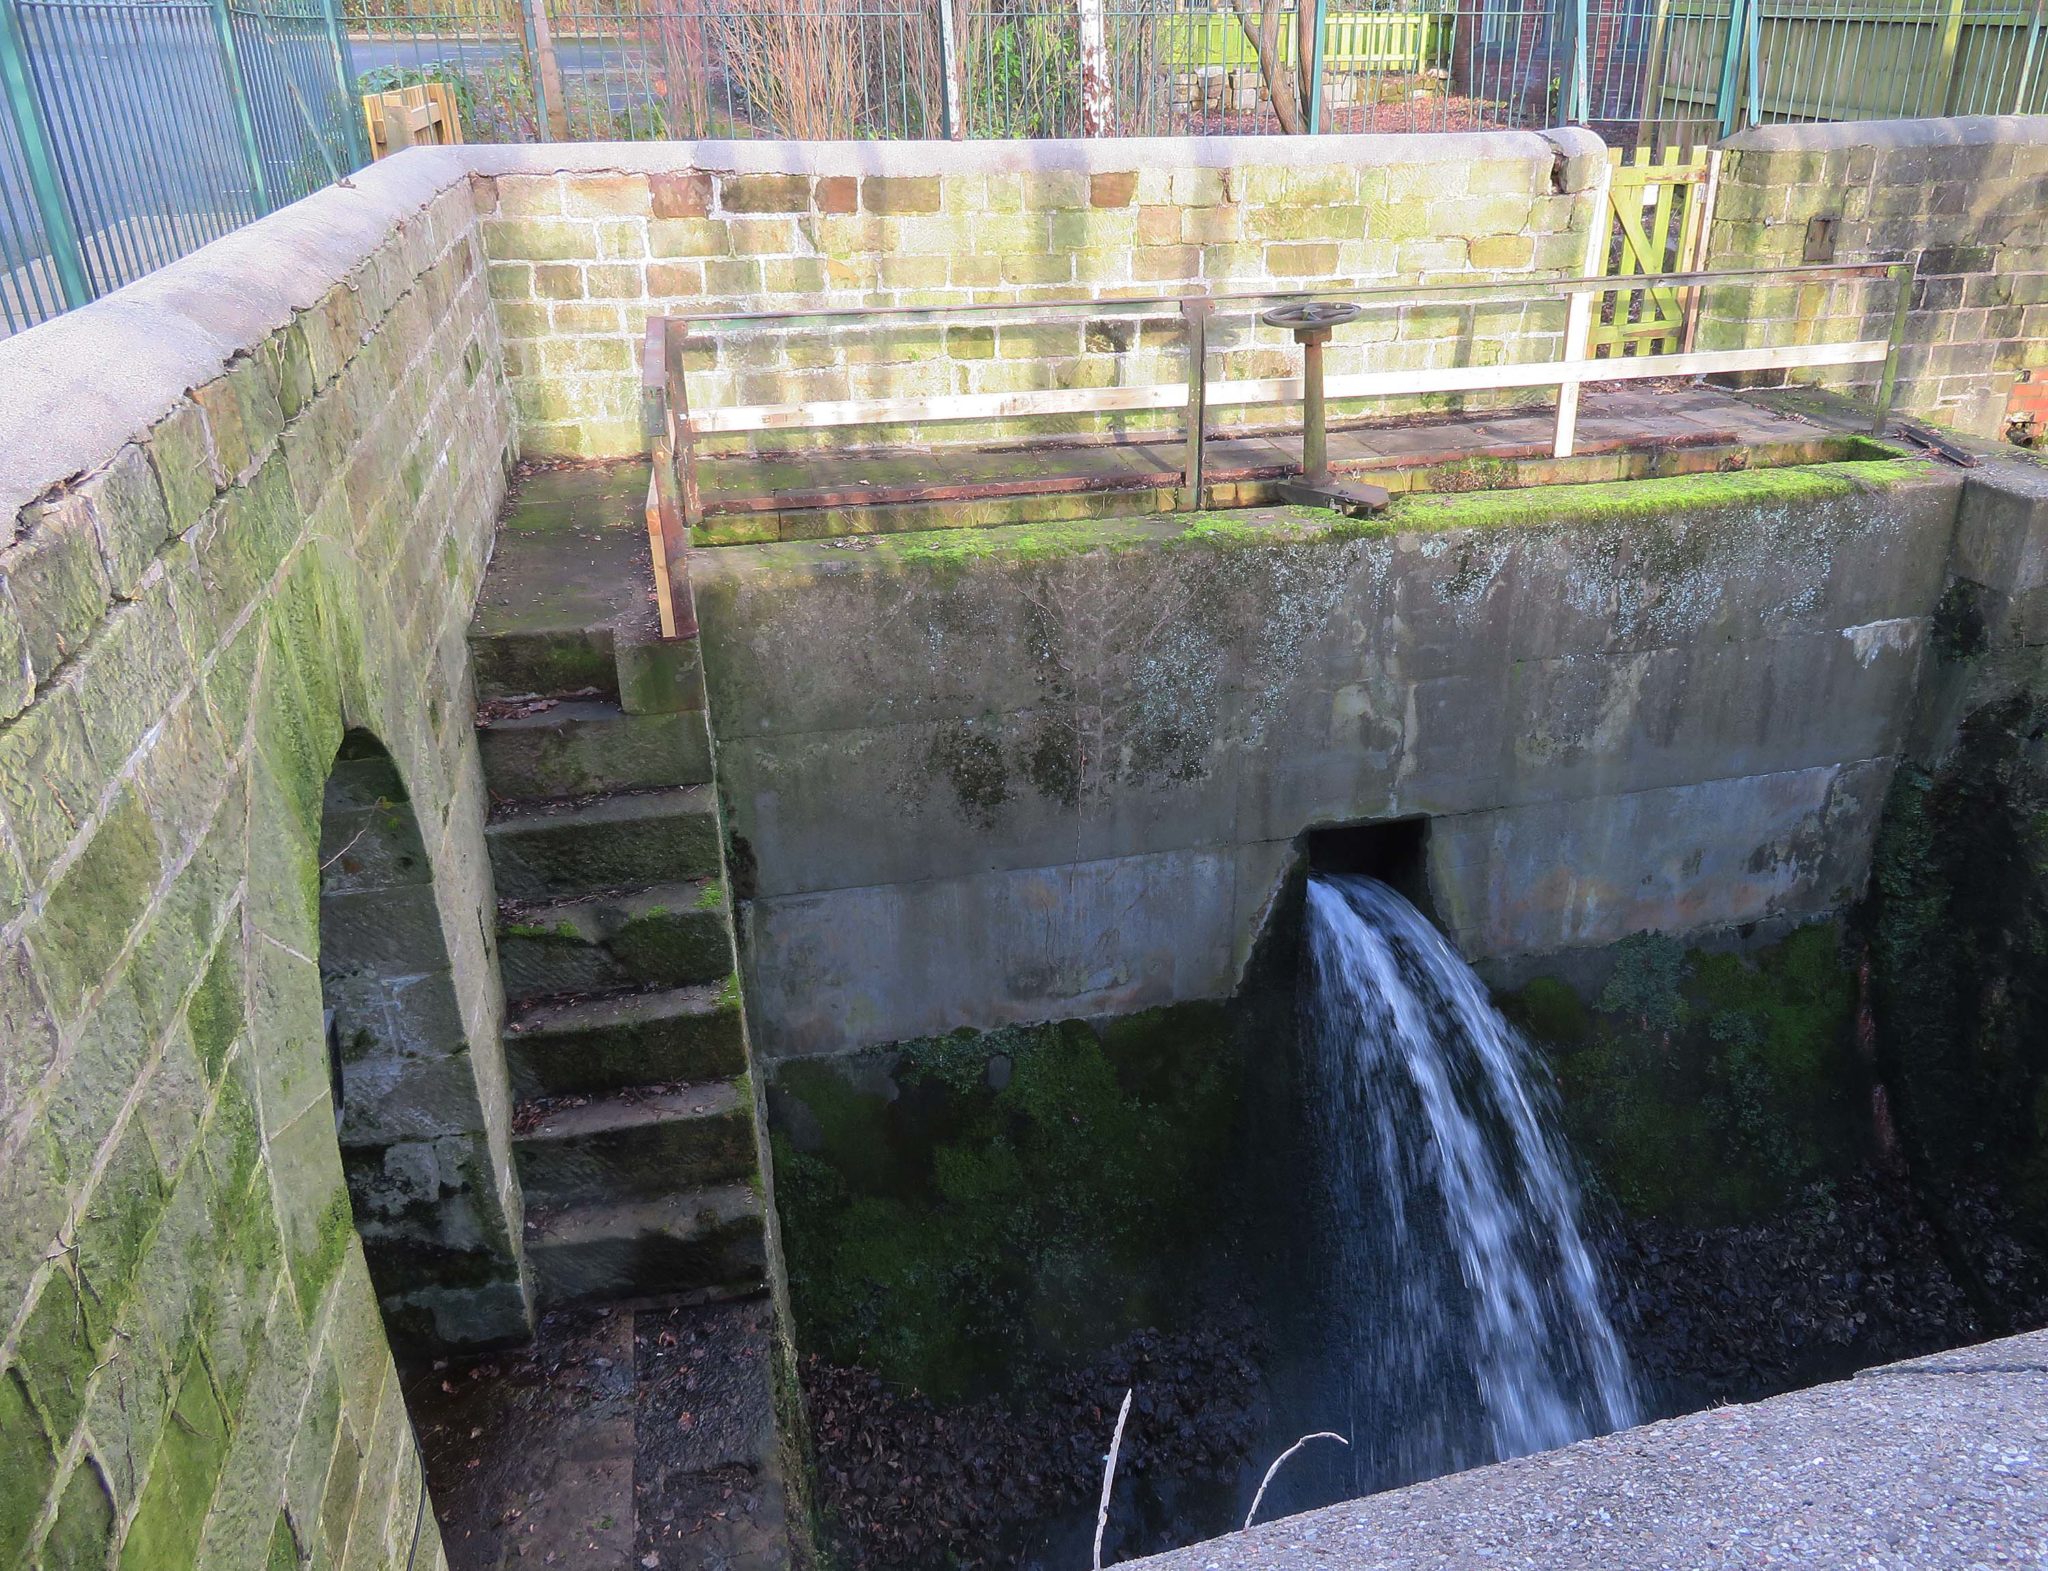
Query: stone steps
{"type": "Point", "coordinates": [667, 935]}
{"type": "Point", "coordinates": [585, 746]}
{"type": "Point", "coordinates": [594, 1047]}
{"type": "Point", "coordinates": [711, 1238]}
{"type": "Point", "coordinates": [643, 1144]}
{"type": "Point", "coordinates": [624, 1043]}
{"type": "Point", "coordinates": [546, 851]}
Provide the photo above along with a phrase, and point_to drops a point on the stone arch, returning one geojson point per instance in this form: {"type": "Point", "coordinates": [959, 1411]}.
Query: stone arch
{"type": "Point", "coordinates": [436, 1211]}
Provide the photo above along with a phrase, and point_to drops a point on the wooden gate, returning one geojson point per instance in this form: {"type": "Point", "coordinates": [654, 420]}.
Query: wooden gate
{"type": "Point", "coordinates": [1658, 205]}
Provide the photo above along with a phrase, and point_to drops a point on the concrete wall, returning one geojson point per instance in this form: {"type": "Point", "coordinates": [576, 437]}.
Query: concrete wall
{"type": "Point", "coordinates": [586, 242]}
{"type": "Point", "coordinates": [1048, 771]}
{"type": "Point", "coordinates": [1960, 198]}
{"type": "Point", "coordinates": [197, 591]}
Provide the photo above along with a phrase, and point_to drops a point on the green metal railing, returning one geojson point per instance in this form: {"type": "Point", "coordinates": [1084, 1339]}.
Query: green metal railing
{"type": "Point", "coordinates": [132, 131]}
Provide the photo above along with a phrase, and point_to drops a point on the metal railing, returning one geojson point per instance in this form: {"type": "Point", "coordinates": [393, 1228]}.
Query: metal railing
{"type": "Point", "coordinates": [133, 131]}
{"type": "Point", "coordinates": [674, 426]}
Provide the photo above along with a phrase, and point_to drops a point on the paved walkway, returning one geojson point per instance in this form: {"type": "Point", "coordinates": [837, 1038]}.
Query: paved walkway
{"type": "Point", "coordinates": [1937, 1462]}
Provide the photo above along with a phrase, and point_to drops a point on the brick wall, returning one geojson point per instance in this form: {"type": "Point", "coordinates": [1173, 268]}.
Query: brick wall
{"type": "Point", "coordinates": [197, 591]}
{"type": "Point", "coordinates": [583, 251]}
{"type": "Point", "coordinates": [1961, 198]}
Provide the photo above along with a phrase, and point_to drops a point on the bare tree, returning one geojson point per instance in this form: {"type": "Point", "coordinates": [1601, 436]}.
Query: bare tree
{"type": "Point", "coordinates": [799, 64]}
{"type": "Point", "coordinates": [1287, 88]}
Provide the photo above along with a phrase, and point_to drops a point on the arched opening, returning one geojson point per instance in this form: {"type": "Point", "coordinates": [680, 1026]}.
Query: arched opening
{"type": "Point", "coordinates": [428, 1194]}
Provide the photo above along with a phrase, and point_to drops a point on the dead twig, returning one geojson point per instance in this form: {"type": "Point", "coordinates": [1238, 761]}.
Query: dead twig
{"type": "Point", "coordinates": [1320, 1434]}
{"type": "Point", "coordinates": [1116, 1442]}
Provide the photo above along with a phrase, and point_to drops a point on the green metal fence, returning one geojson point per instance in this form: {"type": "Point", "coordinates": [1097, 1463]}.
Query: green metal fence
{"type": "Point", "coordinates": [132, 131]}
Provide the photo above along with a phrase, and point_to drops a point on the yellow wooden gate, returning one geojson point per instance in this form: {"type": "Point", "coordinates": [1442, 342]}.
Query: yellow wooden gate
{"type": "Point", "coordinates": [1658, 205]}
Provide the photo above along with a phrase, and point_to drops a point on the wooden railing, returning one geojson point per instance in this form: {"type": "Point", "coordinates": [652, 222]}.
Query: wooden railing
{"type": "Point", "coordinates": [673, 428]}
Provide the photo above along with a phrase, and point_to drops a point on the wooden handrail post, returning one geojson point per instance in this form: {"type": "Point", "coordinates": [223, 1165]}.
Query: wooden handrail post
{"type": "Point", "coordinates": [1578, 332]}
{"type": "Point", "coordinates": [1902, 275]}
{"type": "Point", "coordinates": [1195, 313]}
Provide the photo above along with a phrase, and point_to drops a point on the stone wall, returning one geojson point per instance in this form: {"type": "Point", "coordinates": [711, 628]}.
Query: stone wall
{"type": "Point", "coordinates": [198, 591]}
{"type": "Point", "coordinates": [587, 242]}
{"type": "Point", "coordinates": [1962, 199]}
{"type": "Point", "coordinates": [1031, 773]}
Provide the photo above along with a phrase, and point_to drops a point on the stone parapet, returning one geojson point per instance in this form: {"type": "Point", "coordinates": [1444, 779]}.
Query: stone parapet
{"type": "Point", "coordinates": [1961, 199]}
{"type": "Point", "coordinates": [245, 505]}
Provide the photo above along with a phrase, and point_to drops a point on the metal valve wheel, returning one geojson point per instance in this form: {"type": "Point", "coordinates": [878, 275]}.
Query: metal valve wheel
{"type": "Point", "coordinates": [1311, 316]}
{"type": "Point", "coordinates": [1311, 322]}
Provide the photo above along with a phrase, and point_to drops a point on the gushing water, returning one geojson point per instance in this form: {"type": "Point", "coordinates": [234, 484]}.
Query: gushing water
{"type": "Point", "coordinates": [1470, 1312]}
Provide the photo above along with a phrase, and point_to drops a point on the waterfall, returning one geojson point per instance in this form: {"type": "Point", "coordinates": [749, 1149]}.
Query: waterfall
{"type": "Point", "coordinates": [1467, 1310]}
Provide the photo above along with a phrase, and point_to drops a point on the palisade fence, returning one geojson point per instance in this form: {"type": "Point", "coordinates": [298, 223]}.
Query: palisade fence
{"type": "Point", "coordinates": [132, 131]}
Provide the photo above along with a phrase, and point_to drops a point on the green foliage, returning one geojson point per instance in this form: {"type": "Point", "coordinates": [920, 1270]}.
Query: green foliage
{"type": "Point", "coordinates": [1026, 77]}
{"type": "Point", "coordinates": [1959, 925]}
{"type": "Point", "coordinates": [1706, 1087]}
{"type": "Point", "coordinates": [1028, 1191]}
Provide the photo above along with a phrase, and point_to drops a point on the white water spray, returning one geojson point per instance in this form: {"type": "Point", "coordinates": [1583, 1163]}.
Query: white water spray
{"type": "Point", "coordinates": [1471, 1311]}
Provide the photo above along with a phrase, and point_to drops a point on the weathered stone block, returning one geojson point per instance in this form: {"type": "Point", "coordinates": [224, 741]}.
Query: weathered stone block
{"type": "Point", "coordinates": [764, 193]}
{"type": "Point", "coordinates": [56, 581]}
{"type": "Point", "coordinates": [1112, 190]}
{"type": "Point", "coordinates": [899, 194]}
{"type": "Point", "coordinates": [680, 195]}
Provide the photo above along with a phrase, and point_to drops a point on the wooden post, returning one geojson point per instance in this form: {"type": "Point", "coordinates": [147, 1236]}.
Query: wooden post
{"type": "Point", "coordinates": [1901, 275]}
{"type": "Point", "coordinates": [1314, 38]}
{"type": "Point", "coordinates": [1097, 106]}
{"type": "Point", "coordinates": [552, 122]}
{"type": "Point", "coordinates": [1195, 312]}
{"type": "Point", "coordinates": [1702, 240]}
{"type": "Point", "coordinates": [1650, 122]}
{"type": "Point", "coordinates": [952, 83]}
{"type": "Point", "coordinates": [1578, 313]}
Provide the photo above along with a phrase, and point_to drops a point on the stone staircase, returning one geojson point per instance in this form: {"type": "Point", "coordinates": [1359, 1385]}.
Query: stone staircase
{"type": "Point", "coordinates": [634, 1125]}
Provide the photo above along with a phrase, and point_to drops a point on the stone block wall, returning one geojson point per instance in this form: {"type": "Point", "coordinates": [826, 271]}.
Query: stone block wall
{"type": "Point", "coordinates": [586, 242]}
{"type": "Point", "coordinates": [1963, 199]}
{"type": "Point", "coordinates": [198, 591]}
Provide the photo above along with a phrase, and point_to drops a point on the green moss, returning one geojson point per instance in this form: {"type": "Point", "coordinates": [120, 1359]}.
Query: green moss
{"type": "Point", "coordinates": [27, 1461]}
{"type": "Point", "coordinates": [729, 992]}
{"type": "Point", "coordinates": [711, 897]}
{"type": "Point", "coordinates": [1549, 1011]}
{"type": "Point", "coordinates": [956, 548]}
{"type": "Point", "coordinates": [1704, 1087]}
{"type": "Point", "coordinates": [216, 1010]}
{"type": "Point", "coordinates": [84, 1530]}
{"type": "Point", "coordinates": [97, 903]}
{"type": "Point", "coordinates": [1651, 499]}
{"type": "Point", "coordinates": [1471, 474]}
{"type": "Point", "coordinates": [975, 1199]}
{"type": "Point", "coordinates": [182, 1474]}
{"type": "Point", "coordinates": [313, 1269]}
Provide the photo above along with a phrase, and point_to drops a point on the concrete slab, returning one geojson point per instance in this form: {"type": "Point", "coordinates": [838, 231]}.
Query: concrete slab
{"type": "Point", "coordinates": [1938, 1461]}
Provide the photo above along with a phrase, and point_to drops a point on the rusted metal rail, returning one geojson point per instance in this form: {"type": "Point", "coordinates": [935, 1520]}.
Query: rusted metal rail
{"type": "Point", "coordinates": [673, 429]}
